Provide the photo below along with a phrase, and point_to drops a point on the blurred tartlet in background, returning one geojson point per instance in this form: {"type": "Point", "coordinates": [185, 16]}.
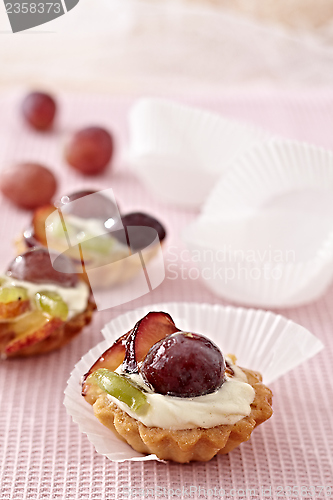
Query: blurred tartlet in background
{"type": "Point", "coordinates": [88, 228]}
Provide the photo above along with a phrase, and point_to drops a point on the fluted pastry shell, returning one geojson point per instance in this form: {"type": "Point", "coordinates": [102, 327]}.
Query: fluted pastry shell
{"type": "Point", "coordinates": [57, 338]}
{"type": "Point", "coordinates": [186, 445]}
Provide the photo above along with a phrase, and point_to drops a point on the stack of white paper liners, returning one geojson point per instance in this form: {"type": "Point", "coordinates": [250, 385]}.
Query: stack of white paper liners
{"type": "Point", "coordinates": [271, 215]}
{"type": "Point", "coordinates": [180, 152]}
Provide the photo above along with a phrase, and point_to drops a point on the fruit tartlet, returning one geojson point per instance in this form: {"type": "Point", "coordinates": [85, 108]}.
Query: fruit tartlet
{"type": "Point", "coordinates": [173, 394]}
{"type": "Point", "coordinates": [41, 308]}
{"type": "Point", "coordinates": [89, 229]}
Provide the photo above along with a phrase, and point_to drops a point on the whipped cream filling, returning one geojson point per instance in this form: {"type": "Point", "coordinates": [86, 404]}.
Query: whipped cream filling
{"type": "Point", "coordinates": [229, 404]}
{"type": "Point", "coordinates": [76, 297]}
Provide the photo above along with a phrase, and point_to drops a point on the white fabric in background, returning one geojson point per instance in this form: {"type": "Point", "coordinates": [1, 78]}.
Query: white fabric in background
{"type": "Point", "coordinates": [130, 45]}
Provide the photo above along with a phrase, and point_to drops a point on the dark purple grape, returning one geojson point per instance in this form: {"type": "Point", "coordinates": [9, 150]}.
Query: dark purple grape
{"type": "Point", "coordinates": [184, 365]}
{"type": "Point", "coordinates": [35, 266]}
{"type": "Point", "coordinates": [80, 194]}
{"type": "Point", "coordinates": [39, 110]}
{"type": "Point", "coordinates": [97, 206]}
{"type": "Point", "coordinates": [140, 230]}
{"type": "Point", "coordinates": [89, 150]}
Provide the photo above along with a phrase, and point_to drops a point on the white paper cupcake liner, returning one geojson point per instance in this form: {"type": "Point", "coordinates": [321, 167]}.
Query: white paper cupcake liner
{"type": "Point", "coordinates": [271, 217]}
{"type": "Point", "coordinates": [180, 152]}
{"type": "Point", "coordinates": [261, 341]}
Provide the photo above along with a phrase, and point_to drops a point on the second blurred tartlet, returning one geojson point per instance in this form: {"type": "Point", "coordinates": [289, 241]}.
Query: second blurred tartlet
{"type": "Point", "coordinates": [89, 229]}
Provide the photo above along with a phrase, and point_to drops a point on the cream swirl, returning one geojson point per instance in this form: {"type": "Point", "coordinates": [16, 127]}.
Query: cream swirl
{"type": "Point", "coordinates": [229, 404]}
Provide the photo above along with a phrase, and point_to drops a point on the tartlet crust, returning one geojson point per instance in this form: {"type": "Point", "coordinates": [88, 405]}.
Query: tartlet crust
{"type": "Point", "coordinates": [187, 445]}
{"type": "Point", "coordinates": [56, 339]}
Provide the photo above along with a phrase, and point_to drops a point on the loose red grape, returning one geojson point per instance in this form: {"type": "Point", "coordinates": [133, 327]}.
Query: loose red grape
{"type": "Point", "coordinates": [89, 150]}
{"type": "Point", "coordinates": [184, 365]}
{"type": "Point", "coordinates": [39, 110]}
{"type": "Point", "coordinates": [36, 266]}
{"type": "Point", "coordinates": [28, 185]}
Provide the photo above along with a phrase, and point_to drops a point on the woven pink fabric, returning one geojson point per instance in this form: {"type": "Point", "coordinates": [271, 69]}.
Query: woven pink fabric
{"type": "Point", "coordinates": [43, 455]}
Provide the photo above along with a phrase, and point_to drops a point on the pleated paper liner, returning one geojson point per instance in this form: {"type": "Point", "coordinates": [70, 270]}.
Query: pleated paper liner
{"type": "Point", "coordinates": [261, 340]}
{"type": "Point", "coordinates": [180, 152]}
{"type": "Point", "coordinates": [265, 235]}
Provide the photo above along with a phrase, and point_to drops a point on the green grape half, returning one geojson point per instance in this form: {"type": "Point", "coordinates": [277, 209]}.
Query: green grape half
{"type": "Point", "coordinates": [51, 303]}
{"type": "Point", "coordinates": [120, 388]}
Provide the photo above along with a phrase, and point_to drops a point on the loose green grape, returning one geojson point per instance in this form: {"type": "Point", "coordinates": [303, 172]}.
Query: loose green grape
{"type": "Point", "coordinates": [12, 293]}
{"type": "Point", "coordinates": [51, 303]}
{"type": "Point", "coordinates": [120, 388]}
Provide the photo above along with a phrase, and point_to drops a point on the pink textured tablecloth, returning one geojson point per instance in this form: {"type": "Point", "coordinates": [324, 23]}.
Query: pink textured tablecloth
{"type": "Point", "coordinates": [42, 452]}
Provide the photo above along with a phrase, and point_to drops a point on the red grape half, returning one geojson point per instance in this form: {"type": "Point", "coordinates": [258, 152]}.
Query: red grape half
{"type": "Point", "coordinates": [36, 266]}
{"type": "Point", "coordinates": [184, 365]}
